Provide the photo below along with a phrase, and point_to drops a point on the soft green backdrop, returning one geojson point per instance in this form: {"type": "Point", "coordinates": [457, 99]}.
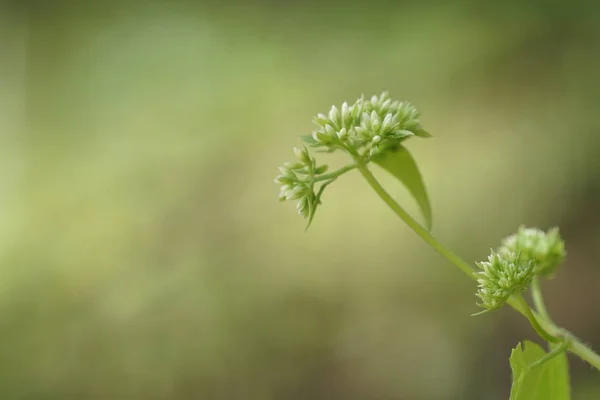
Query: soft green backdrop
{"type": "Point", "coordinates": [144, 255]}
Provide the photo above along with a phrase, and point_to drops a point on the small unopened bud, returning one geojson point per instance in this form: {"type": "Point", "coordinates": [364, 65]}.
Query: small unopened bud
{"type": "Point", "coordinates": [345, 113]}
{"type": "Point", "coordinates": [298, 153]}
{"type": "Point", "coordinates": [302, 207]}
{"type": "Point", "coordinates": [302, 155]}
{"type": "Point", "coordinates": [286, 171]}
{"type": "Point", "coordinates": [388, 123]}
{"type": "Point", "coordinates": [386, 104]}
{"type": "Point", "coordinates": [334, 115]}
{"type": "Point", "coordinates": [321, 119]}
{"type": "Point", "coordinates": [376, 139]}
{"type": "Point", "coordinates": [321, 137]}
{"type": "Point", "coordinates": [293, 165]}
{"type": "Point", "coordinates": [284, 180]}
{"type": "Point", "coordinates": [295, 193]}
{"type": "Point", "coordinates": [342, 134]}
{"type": "Point", "coordinates": [322, 169]}
{"type": "Point", "coordinates": [375, 121]}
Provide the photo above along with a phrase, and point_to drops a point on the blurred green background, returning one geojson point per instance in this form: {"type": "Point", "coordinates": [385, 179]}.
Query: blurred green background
{"type": "Point", "coordinates": [144, 255]}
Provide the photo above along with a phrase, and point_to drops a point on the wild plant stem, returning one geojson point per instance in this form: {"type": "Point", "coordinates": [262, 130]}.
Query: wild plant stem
{"type": "Point", "coordinates": [335, 173]}
{"type": "Point", "coordinates": [534, 322]}
{"type": "Point", "coordinates": [412, 223]}
{"type": "Point", "coordinates": [556, 351]}
{"type": "Point", "coordinates": [575, 345]}
{"type": "Point", "coordinates": [538, 299]}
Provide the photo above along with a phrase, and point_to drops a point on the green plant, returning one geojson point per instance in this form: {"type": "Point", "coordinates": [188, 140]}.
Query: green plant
{"type": "Point", "coordinates": [374, 131]}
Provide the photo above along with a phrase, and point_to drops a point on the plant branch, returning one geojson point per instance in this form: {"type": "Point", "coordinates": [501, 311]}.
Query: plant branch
{"type": "Point", "coordinates": [412, 223]}
{"type": "Point", "coordinates": [335, 174]}
{"type": "Point", "coordinates": [538, 299]}
{"type": "Point", "coordinates": [534, 322]}
{"type": "Point", "coordinates": [575, 345]}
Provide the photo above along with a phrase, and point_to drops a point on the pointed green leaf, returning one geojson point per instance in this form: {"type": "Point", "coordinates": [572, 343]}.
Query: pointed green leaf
{"type": "Point", "coordinates": [549, 381]}
{"type": "Point", "coordinates": [401, 164]}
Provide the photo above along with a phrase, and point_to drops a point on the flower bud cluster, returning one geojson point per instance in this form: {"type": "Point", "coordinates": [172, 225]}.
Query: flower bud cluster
{"type": "Point", "coordinates": [337, 126]}
{"type": "Point", "coordinates": [545, 249]}
{"type": "Point", "coordinates": [377, 124]}
{"type": "Point", "coordinates": [297, 182]}
{"type": "Point", "coordinates": [503, 275]}
{"type": "Point", "coordinates": [362, 129]}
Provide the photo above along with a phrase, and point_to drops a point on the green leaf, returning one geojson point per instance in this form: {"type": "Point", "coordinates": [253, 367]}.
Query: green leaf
{"type": "Point", "coordinates": [401, 164]}
{"type": "Point", "coordinates": [548, 381]}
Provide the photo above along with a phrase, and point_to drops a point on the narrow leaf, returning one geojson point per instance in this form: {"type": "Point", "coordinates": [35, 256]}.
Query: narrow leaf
{"type": "Point", "coordinates": [401, 164]}
{"type": "Point", "coordinates": [549, 381]}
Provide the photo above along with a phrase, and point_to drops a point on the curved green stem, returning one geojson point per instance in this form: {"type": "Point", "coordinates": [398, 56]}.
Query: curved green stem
{"type": "Point", "coordinates": [335, 174]}
{"type": "Point", "coordinates": [534, 322]}
{"type": "Point", "coordinates": [538, 299]}
{"type": "Point", "coordinates": [412, 223]}
{"type": "Point", "coordinates": [584, 352]}
{"type": "Point", "coordinates": [575, 345]}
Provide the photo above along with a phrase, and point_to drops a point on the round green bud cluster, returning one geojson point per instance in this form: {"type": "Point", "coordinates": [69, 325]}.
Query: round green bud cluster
{"type": "Point", "coordinates": [377, 124]}
{"type": "Point", "coordinates": [297, 182]}
{"type": "Point", "coordinates": [545, 249]}
{"type": "Point", "coordinates": [503, 275]}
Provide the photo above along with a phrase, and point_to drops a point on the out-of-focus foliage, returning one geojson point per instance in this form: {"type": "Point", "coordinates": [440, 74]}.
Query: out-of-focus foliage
{"type": "Point", "coordinates": [144, 255]}
{"type": "Point", "coordinates": [538, 376]}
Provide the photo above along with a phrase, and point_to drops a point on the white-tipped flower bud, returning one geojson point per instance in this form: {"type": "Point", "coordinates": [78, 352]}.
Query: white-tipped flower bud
{"type": "Point", "coordinates": [302, 207]}
{"type": "Point", "coordinates": [375, 122]}
{"type": "Point", "coordinates": [285, 171]}
{"type": "Point", "coordinates": [345, 113]}
{"type": "Point", "coordinates": [302, 155]}
{"type": "Point", "coordinates": [298, 153]}
{"type": "Point", "coordinates": [296, 193]}
{"type": "Point", "coordinates": [386, 104]}
{"type": "Point", "coordinates": [321, 137]}
{"type": "Point", "coordinates": [334, 116]}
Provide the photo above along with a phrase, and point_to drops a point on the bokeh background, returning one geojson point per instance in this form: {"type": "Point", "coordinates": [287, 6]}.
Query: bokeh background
{"type": "Point", "coordinates": [144, 254]}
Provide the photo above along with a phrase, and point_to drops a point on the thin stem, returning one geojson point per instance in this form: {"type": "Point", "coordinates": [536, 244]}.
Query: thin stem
{"type": "Point", "coordinates": [584, 352]}
{"type": "Point", "coordinates": [557, 350]}
{"type": "Point", "coordinates": [335, 174]}
{"type": "Point", "coordinates": [538, 299]}
{"type": "Point", "coordinates": [575, 346]}
{"type": "Point", "coordinates": [412, 223]}
{"type": "Point", "coordinates": [534, 322]}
